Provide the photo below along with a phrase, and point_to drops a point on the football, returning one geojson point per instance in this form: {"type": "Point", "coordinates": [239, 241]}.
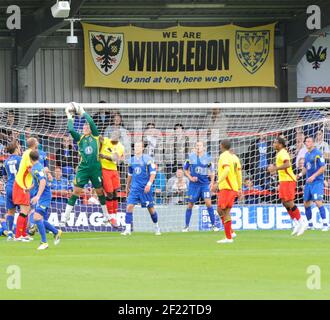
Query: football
{"type": "Point", "coordinates": [71, 109]}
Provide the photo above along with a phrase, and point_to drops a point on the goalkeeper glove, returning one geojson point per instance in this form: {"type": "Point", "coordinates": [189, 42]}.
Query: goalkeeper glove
{"type": "Point", "coordinates": [68, 113]}
{"type": "Point", "coordinates": [79, 109]}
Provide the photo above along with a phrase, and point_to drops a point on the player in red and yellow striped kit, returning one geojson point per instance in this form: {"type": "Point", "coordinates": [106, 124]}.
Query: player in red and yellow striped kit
{"type": "Point", "coordinates": [287, 184]}
{"type": "Point", "coordinates": [112, 151]}
{"type": "Point", "coordinates": [228, 184]}
{"type": "Point", "coordinates": [21, 190]}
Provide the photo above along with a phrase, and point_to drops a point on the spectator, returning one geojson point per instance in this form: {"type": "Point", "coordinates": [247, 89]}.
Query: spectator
{"type": "Point", "coordinates": [249, 191]}
{"type": "Point", "coordinates": [310, 115]}
{"type": "Point", "coordinates": [177, 187]}
{"type": "Point", "coordinates": [45, 121]}
{"type": "Point", "coordinates": [257, 159]}
{"type": "Point", "coordinates": [66, 157]}
{"type": "Point", "coordinates": [102, 118]}
{"type": "Point", "coordinates": [290, 135]}
{"type": "Point", "coordinates": [8, 126]}
{"type": "Point", "coordinates": [176, 149]}
{"type": "Point", "coordinates": [2, 168]}
{"type": "Point", "coordinates": [152, 139]}
{"type": "Point", "coordinates": [14, 136]}
{"type": "Point", "coordinates": [62, 186]}
{"type": "Point", "coordinates": [24, 136]}
{"type": "Point", "coordinates": [298, 150]}
{"type": "Point", "coordinates": [322, 145]}
{"type": "Point", "coordinates": [327, 130]}
{"type": "Point", "coordinates": [124, 139]}
{"type": "Point", "coordinates": [159, 185]}
{"type": "Point", "coordinates": [2, 149]}
{"type": "Point", "coordinates": [92, 197]}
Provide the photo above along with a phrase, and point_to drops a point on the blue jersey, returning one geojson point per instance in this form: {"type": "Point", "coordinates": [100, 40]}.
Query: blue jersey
{"type": "Point", "coordinates": [43, 158]}
{"type": "Point", "coordinates": [313, 162]}
{"type": "Point", "coordinates": [38, 173]}
{"type": "Point", "coordinates": [62, 184]}
{"type": "Point", "coordinates": [140, 169]}
{"type": "Point", "coordinates": [11, 167]}
{"type": "Point", "coordinates": [199, 167]}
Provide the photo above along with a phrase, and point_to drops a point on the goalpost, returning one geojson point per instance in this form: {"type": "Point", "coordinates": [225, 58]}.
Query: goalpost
{"type": "Point", "coordinates": [169, 132]}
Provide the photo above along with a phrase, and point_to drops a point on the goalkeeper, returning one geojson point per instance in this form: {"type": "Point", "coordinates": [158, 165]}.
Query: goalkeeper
{"type": "Point", "coordinates": [89, 168]}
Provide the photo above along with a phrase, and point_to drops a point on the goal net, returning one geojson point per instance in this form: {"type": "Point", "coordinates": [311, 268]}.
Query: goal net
{"type": "Point", "coordinates": [169, 133]}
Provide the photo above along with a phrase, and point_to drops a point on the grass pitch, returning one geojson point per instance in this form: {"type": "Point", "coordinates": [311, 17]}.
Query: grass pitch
{"type": "Point", "coordinates": [259, 265]}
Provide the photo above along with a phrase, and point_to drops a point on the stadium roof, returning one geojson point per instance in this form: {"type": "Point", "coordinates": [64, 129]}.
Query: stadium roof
{"type": "Point", "coordinates": [38, 23]}
{"type": "Point", "coordinates": [174, 11]}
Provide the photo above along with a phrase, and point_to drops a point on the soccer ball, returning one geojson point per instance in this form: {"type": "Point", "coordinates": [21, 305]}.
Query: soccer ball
{"type": "Point", "coordinates": [71, 109]}
{"type": "Point", "coordinates": [77, 108]}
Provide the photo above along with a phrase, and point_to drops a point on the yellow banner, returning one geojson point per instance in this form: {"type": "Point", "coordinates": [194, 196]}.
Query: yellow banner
{"type": "Point", "coordinates": [179, 57]}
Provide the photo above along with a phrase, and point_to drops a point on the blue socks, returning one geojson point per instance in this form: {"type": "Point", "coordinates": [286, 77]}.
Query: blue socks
{"type": "Point", "coordinates": [129, 218]}
{"type": "Point", "coordinates": [322, 213]}
{"type": "Point", "coordinates": [42, 230]}
{"type": "Point", "coordinates": [308, 213]}
{"type": "Point", "coordinates": [10, 222]}
{"type": "Point", "coordinates": [3, 227]}
{"type": "Point", "coordinates": [210, 210]}
{"type": "Point", "coordinates": [154, 217]}
{"type": "Point", "coordinates": [50, 227]}
{"type": "Point", "coordinates": [188, 216]}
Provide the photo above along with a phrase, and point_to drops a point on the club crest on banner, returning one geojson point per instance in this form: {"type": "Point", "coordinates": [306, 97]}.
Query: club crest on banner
{"type": "Point", "coordinates": [107, 50]}
{"type": "Point", "coordinates": [316, 57]}
{"type": "Point", "coordinates": [252, 49]}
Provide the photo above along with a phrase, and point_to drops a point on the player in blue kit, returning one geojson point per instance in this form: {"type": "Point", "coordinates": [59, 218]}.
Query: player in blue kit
{"type": "Point", "coordinates": [11, 166]}
{"type": "Point", "coordinates": [41, 200]}
{"type": "Point", "coordinates": [198, 168]}
{"type": "Point", "coordinates": [3, 228]}
{"type": "Point", "coordinates": [141, 175]}
{"type": "Point", "coordinates": [314, 189]}
{"type": "Point", "coordinates": [43, 159]}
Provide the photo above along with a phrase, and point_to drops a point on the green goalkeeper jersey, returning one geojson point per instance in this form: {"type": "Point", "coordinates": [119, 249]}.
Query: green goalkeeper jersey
{"type": "Point", "coordinates": [88, 146]}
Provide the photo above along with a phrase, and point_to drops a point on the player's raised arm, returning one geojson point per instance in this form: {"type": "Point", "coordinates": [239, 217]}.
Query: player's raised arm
{"type": "Point", "coordinates": [95, 131]}
{"type": "Point", "coordinates": [75, 135]}
{"type": "Point", "coordinates": [81, 112]}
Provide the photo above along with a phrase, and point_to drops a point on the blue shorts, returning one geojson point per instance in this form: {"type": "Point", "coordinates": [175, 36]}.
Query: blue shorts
{"type": "Point", "coordinates": [197, 191]}
{"type": "Point", "coordinates": [42, 209]}
{"type": "Point", "coordinates": [314, 191]}
{"type": "Point", "coordinates": [138, 196]}
{"type": "Point", "coordinates": [9, 198]}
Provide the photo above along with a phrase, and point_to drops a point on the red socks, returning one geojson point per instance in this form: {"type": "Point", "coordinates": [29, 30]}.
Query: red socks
{"type": "Point", "coordinates": [294, 213]}
{"type": "Point", "coordinates": [21, 226]}
{"type": "Point", "coordinates": [115, 206]}
{"type": "Point", "coordinates": [223, 222]}
{"type": "Point", "coordinates": [109, 205]}
{"type": "Point", "coordinates": [228, 230]}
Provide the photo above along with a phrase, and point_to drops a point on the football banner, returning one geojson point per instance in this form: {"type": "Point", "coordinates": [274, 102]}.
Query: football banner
{"type": "Point", "coordinates": [259, 217]}
{"type": "Point", "coordinates": [179, 57]}
{"type": "Point", "coordinates": [313, 70]}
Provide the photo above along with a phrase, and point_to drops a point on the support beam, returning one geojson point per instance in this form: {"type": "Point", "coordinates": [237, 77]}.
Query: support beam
{"type": "Point", "coordinates": [35, 27]}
